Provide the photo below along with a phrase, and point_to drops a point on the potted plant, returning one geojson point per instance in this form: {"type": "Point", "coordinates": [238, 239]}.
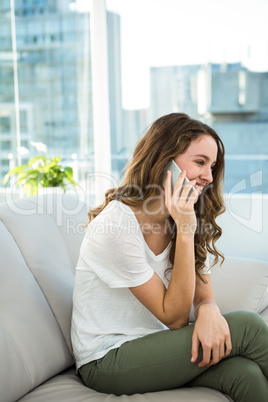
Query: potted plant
{"type": "Point", "coordinates": [42, 171]}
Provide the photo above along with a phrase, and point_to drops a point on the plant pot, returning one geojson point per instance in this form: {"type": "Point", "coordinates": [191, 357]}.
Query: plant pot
{"type": "Point", "coordinates": [49, 190]}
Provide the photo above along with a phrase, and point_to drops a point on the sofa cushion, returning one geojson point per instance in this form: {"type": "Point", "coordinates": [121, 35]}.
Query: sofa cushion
{"type": "Point", "coordinates": [38, 256]}
{"type": "Point", "coordinates": [45, 234]}
{"type": "Point", "coordinates": [32, 346]}
{"type": "Point", "coordinates": [241, 284]}
{"type": "Point", "coordinates": [67, 387]}
{"type": "Point", "coordinates": [69, 214]}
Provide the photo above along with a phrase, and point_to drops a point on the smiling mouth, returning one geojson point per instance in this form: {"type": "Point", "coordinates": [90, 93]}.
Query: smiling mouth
{"type": "Point", "coordinates": [199, 188]}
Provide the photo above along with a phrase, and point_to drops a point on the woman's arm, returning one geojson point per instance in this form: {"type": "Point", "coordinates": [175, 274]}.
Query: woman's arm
{"type": "Point", "coordinates": [172, 306]}
{"type": "Point", "coordinates": [211, 328]}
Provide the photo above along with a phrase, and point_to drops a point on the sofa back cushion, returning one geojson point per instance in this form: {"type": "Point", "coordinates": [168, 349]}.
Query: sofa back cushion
{"type": "Point", "coordinates": [38, 254]}
{"type": "Point", "coordinates": [241, 284]}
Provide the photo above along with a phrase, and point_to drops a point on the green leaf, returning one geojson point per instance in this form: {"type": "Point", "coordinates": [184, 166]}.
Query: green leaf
{"type": "Point", "coordinates": [69, 175]}
{"type": "Point", "coordinates": [30, 187]}
{"type": "Point", "coordinates": [6, 178]}
{"type": "Point", "coordinates": [56, 159]}
{"type": "Point", "coordinates": [40, 160]}
{"type": "Point", "coordinates": [16, 171]}
{"type": "Point", "coordinates": [28, 175]}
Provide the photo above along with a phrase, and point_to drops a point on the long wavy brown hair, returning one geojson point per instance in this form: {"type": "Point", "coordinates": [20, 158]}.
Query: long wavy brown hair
{"type": "Point", "coordinates": [168, 137]}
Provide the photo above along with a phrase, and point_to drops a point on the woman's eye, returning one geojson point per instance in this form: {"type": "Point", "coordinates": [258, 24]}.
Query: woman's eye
{"type": "Point", "coordinates": [200, 163]}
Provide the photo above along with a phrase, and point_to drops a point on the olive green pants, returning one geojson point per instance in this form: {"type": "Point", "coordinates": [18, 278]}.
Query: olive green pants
{"type": "Point", "coordinates": [162, 361]}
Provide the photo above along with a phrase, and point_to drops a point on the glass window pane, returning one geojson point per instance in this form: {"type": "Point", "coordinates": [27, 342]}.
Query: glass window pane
{"type": "Point", "coordinates": [54, 79]}
{"type": "Point", "coordinates": [5, 124]}
{"type": "Point", "coordinates": [5, 145]}
{"type": "Point", "coordinates": [177, 56]}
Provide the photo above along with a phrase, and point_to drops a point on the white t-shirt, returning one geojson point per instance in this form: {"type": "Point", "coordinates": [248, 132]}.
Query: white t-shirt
{"type": "Point", "coordinates": [113, 257]}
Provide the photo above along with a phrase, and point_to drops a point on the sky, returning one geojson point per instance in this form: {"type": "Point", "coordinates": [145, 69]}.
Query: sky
{"type": "Point", "coordinates": [181, 32]}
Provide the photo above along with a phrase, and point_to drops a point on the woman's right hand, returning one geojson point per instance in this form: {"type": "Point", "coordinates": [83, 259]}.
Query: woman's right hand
{"type": "Point", "coordinates": [180, 204]}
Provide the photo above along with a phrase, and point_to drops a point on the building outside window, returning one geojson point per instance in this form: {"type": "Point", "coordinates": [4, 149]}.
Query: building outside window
{"type": "Point", "coordinates": [201, 59]}
{"type": "Point", "coordinates": [5, 124]}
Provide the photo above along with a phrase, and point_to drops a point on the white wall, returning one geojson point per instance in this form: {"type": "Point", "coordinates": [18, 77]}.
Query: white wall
{"type": "Point", "coordinates": [245, 226]}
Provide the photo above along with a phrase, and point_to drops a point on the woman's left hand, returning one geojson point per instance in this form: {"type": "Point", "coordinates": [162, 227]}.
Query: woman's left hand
{"type": "Point", "coordinates": [212, 332]}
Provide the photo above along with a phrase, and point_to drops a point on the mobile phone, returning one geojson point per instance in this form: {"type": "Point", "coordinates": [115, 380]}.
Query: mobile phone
{"type": "Point", "coordinates": [176, 171]}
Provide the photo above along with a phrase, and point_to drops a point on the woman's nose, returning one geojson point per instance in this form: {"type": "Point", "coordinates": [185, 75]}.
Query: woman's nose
{"type": "Point", "coordinates": [207, 175]}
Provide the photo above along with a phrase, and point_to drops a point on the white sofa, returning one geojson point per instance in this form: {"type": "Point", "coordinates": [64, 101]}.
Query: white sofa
{"type": "Point", "coordinates": [40, 241]}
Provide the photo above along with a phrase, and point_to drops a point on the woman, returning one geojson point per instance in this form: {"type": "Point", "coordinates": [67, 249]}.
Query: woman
{"type": "Point", "coordinates": [143, 264]}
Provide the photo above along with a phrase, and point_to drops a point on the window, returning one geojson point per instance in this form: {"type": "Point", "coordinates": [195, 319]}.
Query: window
{"type": "Point", "coordinates": [4, 163]}
{"type": "Point", "coordinates": [197, 58]}
{"type": "Point", "coordinates": [53, 73]}
{"type": "Point", "coordinates": [5, 124]}
{"type": "Point", "coordinates": [164, 56]}
{"type": "Point", "coordinates": [5, 145]}
{"type": "Point", "coordinates": [23, 121]}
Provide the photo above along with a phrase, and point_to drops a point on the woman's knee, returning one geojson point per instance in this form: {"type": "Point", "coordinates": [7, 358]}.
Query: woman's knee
{"type": "Point", "coordinates": [245, 319]}
{"type": "Point", "coordinates": [246, 382]}
{"type": "Point", "coordinates": [246, 326]}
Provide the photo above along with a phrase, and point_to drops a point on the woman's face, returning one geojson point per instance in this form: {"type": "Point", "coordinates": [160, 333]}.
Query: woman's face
{"type": "Point", "coordinates": [198, 160]}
